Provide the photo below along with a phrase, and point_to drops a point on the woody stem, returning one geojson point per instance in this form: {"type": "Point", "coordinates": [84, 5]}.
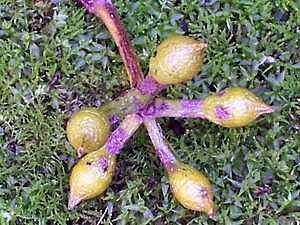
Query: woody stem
{"type": "Point", "coordinates": [106, 11]}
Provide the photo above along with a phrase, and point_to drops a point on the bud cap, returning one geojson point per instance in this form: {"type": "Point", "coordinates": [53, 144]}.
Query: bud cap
{"type": "Point", "coordinates": [88, 130]}
{"type": "Point", "coordinates": [192, 189]}
{"type": "Point", "coordinates": [176, 60]}
{"type": "Point", "coordinates": [234, 107]}
{"type": "Point", "coordinates": [91, 176]}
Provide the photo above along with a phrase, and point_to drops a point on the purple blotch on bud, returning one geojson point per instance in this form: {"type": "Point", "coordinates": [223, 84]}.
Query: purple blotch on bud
{"type": "Point", "coordinates": [222, 113]}
{"type": "Point", "coordinates": [103, 163]}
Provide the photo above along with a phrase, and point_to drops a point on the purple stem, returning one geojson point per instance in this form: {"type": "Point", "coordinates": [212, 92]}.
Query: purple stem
{"type": "Point", "coordinates": [118, 138]}
{"type": "Point", "coordinates": [162, 150]}
{"type": "Point", "coordinates": [174, 108]}
{"type": "Point", "coordinates": [105, 10]}
{"type": "Point", "coordinates": [150, 87]}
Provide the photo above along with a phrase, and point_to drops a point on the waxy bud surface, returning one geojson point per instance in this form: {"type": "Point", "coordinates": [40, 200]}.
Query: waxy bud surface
{"type": "Point", "coordinates": [91, 176]}
{"type": "Point", "coordinates": [88, 130]}
{"type": "Point", "coordinates": [234, 107]}
{"type": "Point", "coordinates": [176, 60]}
{"type": "Point", "coordinates": [192, 189]}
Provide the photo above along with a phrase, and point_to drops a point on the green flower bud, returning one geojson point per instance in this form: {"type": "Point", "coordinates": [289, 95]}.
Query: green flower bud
{"type": "Point", "coordinates": [91, 176]}
{"type": "Point", "coordinates": [192, 189]}
{"type": "Point", "coordinates": [176, 60]}
{"type": "Point", "coordinates": [88, 130]}
{"type": "Point", "coordinates": [234, 107]}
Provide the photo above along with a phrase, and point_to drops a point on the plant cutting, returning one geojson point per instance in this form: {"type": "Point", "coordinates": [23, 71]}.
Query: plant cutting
{"type": "Point", "coordinates": [175, 60]}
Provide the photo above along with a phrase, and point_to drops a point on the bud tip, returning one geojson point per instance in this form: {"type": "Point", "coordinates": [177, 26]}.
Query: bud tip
{"type": "Point", "coordinates": [73, 201]}
{"type": "Point", "coordinates": [265, 109]}
{"type": "Point", "coordinates": [80, 152]}
{"type": "Point", "coordinates": [269, 109]}
{"type": "Point", "coordinates": [211, 213]}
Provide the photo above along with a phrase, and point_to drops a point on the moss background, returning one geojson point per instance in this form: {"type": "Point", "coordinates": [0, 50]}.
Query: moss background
{"type": "Point", "coordinates": [254, 170]}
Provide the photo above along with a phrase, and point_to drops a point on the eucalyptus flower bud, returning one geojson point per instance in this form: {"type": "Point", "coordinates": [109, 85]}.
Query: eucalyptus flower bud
{"type": "Point", "coordinates": [176, 60]}
{"type": "Point", "coordinates": [192, 189]}
{"type": "Point", "coordinates": [91, 176]}
{"type": "Point", "coordinates": [88, 130]}
{"type": "Point", "coordinates": [234, 107]}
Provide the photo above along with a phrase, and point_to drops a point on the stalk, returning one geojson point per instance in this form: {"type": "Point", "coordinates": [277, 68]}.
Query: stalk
{"type": "Point", "coordinates": [233, 107]}
{"type": "Point", "coordinates": [165, 155]}
{"type": "Point", "coordinates": [135, 99]}
{"type": "Point", "coordinates": [189, 186]}
{"type": "Point", "coordinates": [161, 107]}
{"type": "Point", "coordinates": [105, 10]}
{"type": "Point", "coordinates": [92, 174]}
{"type": "Point", "coordinates": [143, 90]}
{"type": "Point", "coordinates": [118, 138]}
{"type": "Point", "coordinates": [236, 107]}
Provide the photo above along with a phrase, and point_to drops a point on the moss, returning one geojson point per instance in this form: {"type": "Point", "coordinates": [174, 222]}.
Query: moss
{"type": "Point", "coordinates": [39, 40]}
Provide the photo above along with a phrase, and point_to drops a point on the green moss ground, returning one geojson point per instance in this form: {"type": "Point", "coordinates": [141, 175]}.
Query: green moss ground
{"type": "Point", "coordinates": [39, 39]}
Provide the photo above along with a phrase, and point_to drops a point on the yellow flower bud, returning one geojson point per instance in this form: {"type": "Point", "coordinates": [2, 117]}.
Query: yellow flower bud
{"type": "Point", "coordinates": [88, 130]}
{"type": "Point", "coordinates": [234, 107]}
{"type": "Point", "coordinates": [176, 60]}
{"type": "Point", "coordinates": [192, 189]}
{"type": "Point", "coordinates": [91, 176]}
